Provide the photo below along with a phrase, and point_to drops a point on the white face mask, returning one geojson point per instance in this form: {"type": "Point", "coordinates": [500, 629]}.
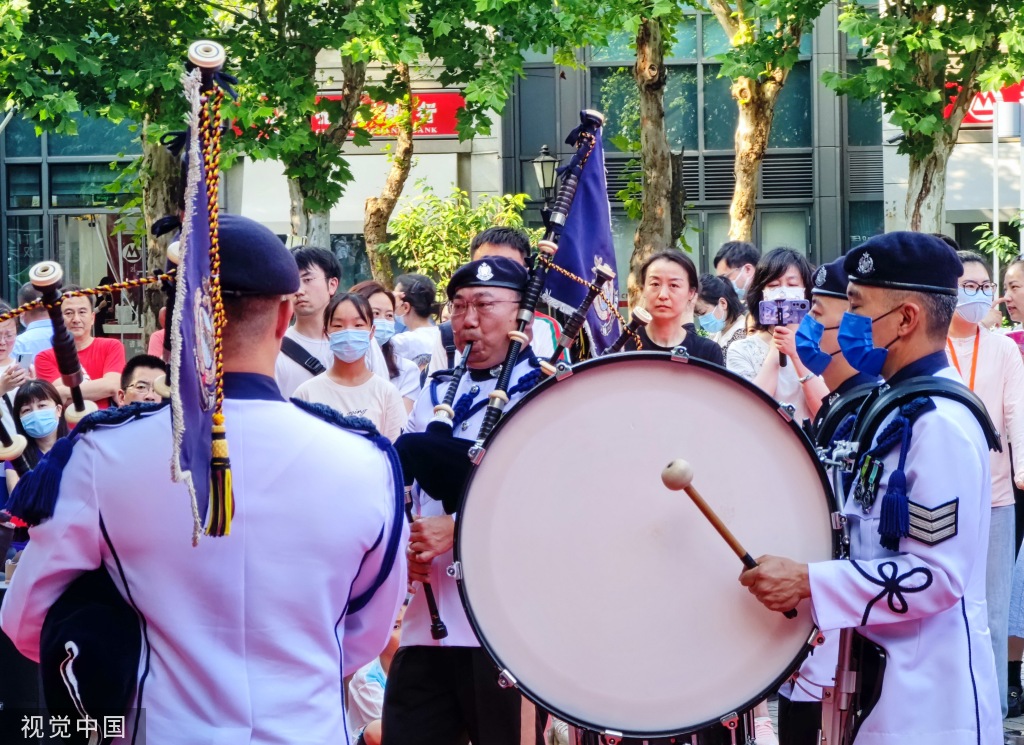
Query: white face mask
{"type": "Point", "coordinates": [973, 308]}
{"type": "Point", "coordinates": [785, 293]}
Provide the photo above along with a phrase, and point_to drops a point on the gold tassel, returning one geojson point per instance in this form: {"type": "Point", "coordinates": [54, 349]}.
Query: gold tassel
{"type": "Point", "coordinates": [222, 507]}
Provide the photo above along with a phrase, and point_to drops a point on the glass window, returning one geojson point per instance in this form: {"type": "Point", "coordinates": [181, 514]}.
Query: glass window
{"type": "Point", "coordinates": [614, 91]}
{"type": "Point", "coordinates": [717, 231]}
{"type": "Point", "coordinates": [22, 141]}
{"type": "Point", "coordinates": [866, 219]}
{"type": "Point", "coordinates": [719, 111]}
{"type": "Point", "coordinates": [96, 136]}
{"type": "Point", "coordinates": [24, 187]}
{"type": "Point", "coordinates": [791, 126]}
{"type": "Point", "coordinates": [531, 56]}
{"type": "Point", "coordinates": [83, 185]}
{"type": "Point", "coordinates": [714, 41]}
{"type": "Point", "coordinates": [350, 248]}
{"type": "Point", "coordinates": [863, 118]}
{"type": "Point", "coordinates": [685, 46]}
{"type": "Point", "coordinates": [619, 48]}
{"type": "Point", "coordinates": [787, 229]}
{"type": "Point", "coordinates": [622, 236]}
{"type": "Point", "coordinates": [24, 248]}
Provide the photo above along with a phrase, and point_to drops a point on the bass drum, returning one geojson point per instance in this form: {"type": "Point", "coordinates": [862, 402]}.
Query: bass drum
{"type": "Point", "coordinates": [610, 600]}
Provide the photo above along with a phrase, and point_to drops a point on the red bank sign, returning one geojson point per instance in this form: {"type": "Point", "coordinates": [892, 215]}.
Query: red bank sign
{"type": "Point", "coordinates": [434, 115]}
{"type": "Point", "coordinates": [980, 113]}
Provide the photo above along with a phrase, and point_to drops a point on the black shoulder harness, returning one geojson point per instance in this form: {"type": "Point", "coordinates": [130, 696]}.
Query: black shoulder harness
{"type": "Point", "coordinates": [849, 403]}
{"type": "Point", "coordinates": [923, 386]}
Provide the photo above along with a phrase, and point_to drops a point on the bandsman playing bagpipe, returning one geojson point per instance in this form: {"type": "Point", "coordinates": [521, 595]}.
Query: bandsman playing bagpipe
{"type": "Point", "coordinates": [442, 689]}
{"type": "Point", "coordinates": [248, 635]}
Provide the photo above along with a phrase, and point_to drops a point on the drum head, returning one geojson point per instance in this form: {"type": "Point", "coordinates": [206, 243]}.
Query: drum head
{"type": "Point", "coordinates": [609, 598]}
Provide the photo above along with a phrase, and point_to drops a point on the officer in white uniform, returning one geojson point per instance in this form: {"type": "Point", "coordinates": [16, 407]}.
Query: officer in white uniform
{"type": "Point", "coordinates": [441, 691]}
{"type": "Point", "coordinates": [915, 583]}
{"type": "Point", "coordinates": [247, 638]}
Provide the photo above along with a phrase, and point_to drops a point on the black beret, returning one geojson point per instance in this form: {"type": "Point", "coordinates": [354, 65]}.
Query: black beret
{"type": "Point", "coordinates": [905, 261]}
{"type": "Point", "coordinates": [493, 271]}
{"type": "Point", "coordinates": [830, 279]}
{"type": "Point", "coordinates": [254, 261]}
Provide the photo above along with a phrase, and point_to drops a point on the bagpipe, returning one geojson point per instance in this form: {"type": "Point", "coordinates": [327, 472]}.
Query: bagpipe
{"type": "Point", "coordinates": [91, 610]}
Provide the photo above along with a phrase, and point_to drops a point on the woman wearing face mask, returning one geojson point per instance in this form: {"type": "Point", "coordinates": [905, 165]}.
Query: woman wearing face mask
{"type": "Point", "coordinates": [39, 417]}
{"type": "Point", "coordinates": [720, 314]}
{"type": "Point", "coordinates": [416, 305]}
{"type": "Point", "coordinates": [669, 280]}
{"type": "Point", "coordinates": [348, 386]}
{"type": "Point", "coordinates": [403, 373]}
{"type": "Point", "coordinates": [781, 273]}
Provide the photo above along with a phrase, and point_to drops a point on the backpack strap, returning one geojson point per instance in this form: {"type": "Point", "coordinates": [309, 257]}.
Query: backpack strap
{"type": "Point", "coordinates": [448, 340]}
{"type": "Point", "coordinates": [297, 353]}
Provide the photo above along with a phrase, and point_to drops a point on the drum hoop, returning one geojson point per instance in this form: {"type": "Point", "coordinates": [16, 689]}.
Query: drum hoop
{"type": "Point", "coordinates": [657, 357]}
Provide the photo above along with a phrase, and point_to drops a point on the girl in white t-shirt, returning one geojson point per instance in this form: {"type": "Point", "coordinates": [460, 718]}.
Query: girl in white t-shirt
{"type": "Point", "coordinates": [403, 373]}
{"type": "Point", "coordinates": [348, 386]}
{"type": "Point", "coordinates": [416, 306]}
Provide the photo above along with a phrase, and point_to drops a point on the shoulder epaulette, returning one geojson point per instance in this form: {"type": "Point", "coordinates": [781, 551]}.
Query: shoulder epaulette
{"type": "Point", "coordinates": [35, 496]}
{"type": "Point", "coordinates": [358, 424]}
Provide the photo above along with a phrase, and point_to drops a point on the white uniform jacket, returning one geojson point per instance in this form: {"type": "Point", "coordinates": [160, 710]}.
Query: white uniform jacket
{"type": "Point", "coordinates": [247, 638]}
{"type": "Point", "coordinates": [416, 624]}
{"type": "Point", "coordinates": [925, 605]}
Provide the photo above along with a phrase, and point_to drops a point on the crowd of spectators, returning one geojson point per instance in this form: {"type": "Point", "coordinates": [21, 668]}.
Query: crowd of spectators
{"type": "Point", "coordinates": [367, 351]}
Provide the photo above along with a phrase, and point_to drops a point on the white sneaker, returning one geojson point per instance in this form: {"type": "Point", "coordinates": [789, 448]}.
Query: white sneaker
{"type": "Point", "coordinates": [764, 732]}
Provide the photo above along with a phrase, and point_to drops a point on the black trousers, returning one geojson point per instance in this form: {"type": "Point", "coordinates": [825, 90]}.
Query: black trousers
{"type": "Point", "coordinates": [799, 722]}
{"type": "Point", "coordinates": [448, 696]}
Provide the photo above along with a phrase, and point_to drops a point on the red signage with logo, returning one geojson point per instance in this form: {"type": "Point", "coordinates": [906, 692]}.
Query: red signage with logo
{"type": "Point", "coordinates": [434, 115]}
{"type": "Point", "coordinates": [980, 113]}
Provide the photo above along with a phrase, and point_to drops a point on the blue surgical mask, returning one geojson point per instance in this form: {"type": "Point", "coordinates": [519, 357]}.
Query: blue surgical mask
{"type": "Point", "coordinates": [858, 346]}
{"type": "Point", "coordinates": [711, 323]}
{"type": "Point", "coordinates": [350, 345]}
{"type": "Point", "coordinates": [741, 292]}
{"type": "Point", "coordinates": [973, 308]}
{"type": "Point", "coordinates": [808, 345]}
{"type": "Point", "coordinates": [383, 330]}
{"type": "Point", "coordinates": [39, 423]}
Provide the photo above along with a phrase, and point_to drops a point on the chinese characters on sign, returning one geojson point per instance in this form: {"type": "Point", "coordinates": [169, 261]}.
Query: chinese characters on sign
{"type": "Point", "coordinates": [434, 115]}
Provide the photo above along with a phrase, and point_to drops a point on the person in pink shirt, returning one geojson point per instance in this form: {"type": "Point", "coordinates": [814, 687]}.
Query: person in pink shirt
{"type": "Point", "coordinates": [156, 339]}
{"type": "Point", "coordinates": [991, 366]}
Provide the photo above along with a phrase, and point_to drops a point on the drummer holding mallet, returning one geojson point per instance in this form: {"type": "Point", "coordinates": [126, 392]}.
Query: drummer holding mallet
{"type": "Point", "coordinates": [915, 582]}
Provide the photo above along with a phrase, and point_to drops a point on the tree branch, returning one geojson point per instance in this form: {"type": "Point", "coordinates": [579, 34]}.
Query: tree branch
{"type": "Point", "coordinates": [723, 12]}
{"type": "Point", "coordinates": [217, 6]}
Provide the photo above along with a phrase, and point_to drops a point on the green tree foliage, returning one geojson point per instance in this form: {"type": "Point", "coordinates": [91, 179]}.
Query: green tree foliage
{"type": "Point", "coordinates": [432, 233]}
{"type": "Point", "coordinates": [932, 60]}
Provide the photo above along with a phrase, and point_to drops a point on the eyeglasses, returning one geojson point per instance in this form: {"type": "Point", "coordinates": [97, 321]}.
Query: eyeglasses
{"type": "Point", "coordinates": [8, 337]}
{"type": "Point", "coordinates": [140, 386]}
{"type": "Point", "coordinates": [483, 308]}
{"type": "Point", "coordinates": [971, 288]}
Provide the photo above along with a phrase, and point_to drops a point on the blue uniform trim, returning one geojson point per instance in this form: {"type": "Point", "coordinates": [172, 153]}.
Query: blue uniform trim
{"type": "Point", "coordinates": [892, 590]}
{"type": "Point", "coordinates": [927, 365]}
{"type": "Point", "coordinates": [970, 667]}
{"type": "Point", "coordinates": [141, 684]}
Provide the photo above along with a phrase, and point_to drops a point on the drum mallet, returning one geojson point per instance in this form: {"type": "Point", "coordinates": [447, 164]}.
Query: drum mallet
{"type": "Point", "coordinates": [678, 476]}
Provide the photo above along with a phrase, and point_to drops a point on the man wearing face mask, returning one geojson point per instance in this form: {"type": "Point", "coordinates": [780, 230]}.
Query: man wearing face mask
{"type": "Point", "coordinates": [800, 697]}
{"type": "Point", "coordinates": [818, 345]}
{"type": "Point", "coordinates": [736, 261]}
{"type": "Point", "coordinates": [918, 512]}
{"type": "Point", "coordinates": [990, 365]}
{"type": "Point", "coordinates": [445, 690]}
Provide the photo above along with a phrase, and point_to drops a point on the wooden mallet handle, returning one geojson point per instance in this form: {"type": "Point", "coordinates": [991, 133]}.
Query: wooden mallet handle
{"type": "Point", "coordinates": [678, 476]}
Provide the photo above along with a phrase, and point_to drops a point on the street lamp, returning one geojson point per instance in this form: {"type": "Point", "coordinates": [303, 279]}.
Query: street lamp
{"type": "Point", "coordinates": [545, 167]}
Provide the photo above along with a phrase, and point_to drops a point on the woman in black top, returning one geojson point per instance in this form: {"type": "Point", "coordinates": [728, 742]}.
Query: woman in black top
{"type": "Point", "coordinates": [669, 294]}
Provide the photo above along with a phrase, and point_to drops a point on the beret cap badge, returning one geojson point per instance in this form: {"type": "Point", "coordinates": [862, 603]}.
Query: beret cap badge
{"type": "Point", "coordinates": [484, 273]}
{"type": "Point", "coordinates": [866, 265]}
{"type": "Point", "coordinates": [819, 276]}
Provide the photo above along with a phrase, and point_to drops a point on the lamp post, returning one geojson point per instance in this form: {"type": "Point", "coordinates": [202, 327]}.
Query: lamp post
{"type": "Point", "coordinates": [545, 167]}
